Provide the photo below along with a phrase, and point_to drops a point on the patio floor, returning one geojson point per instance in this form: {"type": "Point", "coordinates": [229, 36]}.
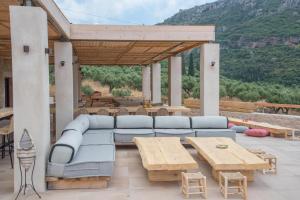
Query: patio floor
{"type": "Point", "coordinates": [130, 180]}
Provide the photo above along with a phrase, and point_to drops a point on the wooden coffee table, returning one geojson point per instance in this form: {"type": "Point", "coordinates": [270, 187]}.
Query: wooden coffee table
{"type": "Point", "coordinates": [234, 158]}
{"type": "Point", "coordinates": [164, 157]}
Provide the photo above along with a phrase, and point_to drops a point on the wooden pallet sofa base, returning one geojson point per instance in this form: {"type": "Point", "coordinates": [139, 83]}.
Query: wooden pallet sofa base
{"type": "Point", "coordinates": [54, 183]}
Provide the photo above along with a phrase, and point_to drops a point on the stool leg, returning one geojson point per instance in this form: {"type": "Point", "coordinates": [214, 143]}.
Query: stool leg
{"type": "Point", "coordinates": [187, 188]}
{"type": "Point", "coordinates": [205, 188]}
{"type": "Point", "coordinates": [245, 192]}
{"type": "Point", "coordinates": [221, 184]}
{"type": "Point", "coordinates": [275, 165]}
{"type": "Point", "coordinates": [240, 186]}
{"type": "Point", "coordinates": [226, 188]}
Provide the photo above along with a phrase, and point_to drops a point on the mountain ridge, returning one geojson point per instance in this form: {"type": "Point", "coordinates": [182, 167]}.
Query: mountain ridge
{"type": "Point", "coordinates": [260, 39]}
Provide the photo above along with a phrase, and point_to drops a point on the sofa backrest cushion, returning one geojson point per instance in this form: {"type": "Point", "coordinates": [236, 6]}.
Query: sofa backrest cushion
{"type": "Point", "coordinates": [173, 122]}
{"type": "Point", "coordinates": [101, 122]}
{"type": "Point", "coordinates": [208, 122]}
{"type": "Point", "coordinates": [81, 124]}
{"type": "Point", "coordinates": [64, 150]}
{"type": "Point", "coordinates": [134, 121]}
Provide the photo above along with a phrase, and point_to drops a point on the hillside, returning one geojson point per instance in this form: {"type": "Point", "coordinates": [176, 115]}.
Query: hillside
{"type": "Point", "coordinates": [260, 39]}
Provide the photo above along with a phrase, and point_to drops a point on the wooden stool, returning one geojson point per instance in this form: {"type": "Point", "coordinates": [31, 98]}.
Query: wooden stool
{"type": "Point", "coordinates": [233, 183]}
{"type": "Point", "coordinates": [272, 160]}
{"type": "Point", "coordinates": [193, 183]}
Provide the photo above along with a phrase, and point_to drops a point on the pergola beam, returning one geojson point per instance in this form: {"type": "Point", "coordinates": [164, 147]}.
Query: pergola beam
{"type": "Point", "coordinates": [142, 33]}
{"type": "Point", "coordinates": [55, 15]}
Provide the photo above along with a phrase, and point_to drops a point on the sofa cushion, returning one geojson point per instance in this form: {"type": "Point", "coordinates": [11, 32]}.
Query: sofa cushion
{"type": "Point", "coordinates": [101, 122]}
{"type": "Point", "coordinates": [182, 133]}
{"type": "Point", "coordinates": [214, 122]}
{"type": "Point", "coordinates": [257, 132]}
{"type": "Point", "coordinates": [134, 121]}
{"type": "Point", "coordinates": [239, 129]}
{"type": "Point", "coordinates": [92, 137]}
{"type": "Point", "coordinates": [127, 135]}
{"type": "Point", "coordinates": [215, 133]}
{"type": "Point", "coordinates": [94, 160]}
{"type": "Point", "coordinates": [66, 147]}
{"type": "Point", "coordinates": [172, 122]}
{"type": "Point", "coordinates": [81, 123]}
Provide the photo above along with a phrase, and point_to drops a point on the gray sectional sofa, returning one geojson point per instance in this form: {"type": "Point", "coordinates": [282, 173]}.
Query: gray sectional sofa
{"type": "Point", "coordinates": [87, 145]}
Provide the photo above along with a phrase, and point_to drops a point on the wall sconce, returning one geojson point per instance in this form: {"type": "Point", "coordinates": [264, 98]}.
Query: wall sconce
{"type": "Point", "coordinates": [62, 63]}
{"type": "Point", "coordinates": [213, 63]}
{"type": "Point", "coordinates": [26, 48]}
{"type": "Point", "coordinates": [49, 51]}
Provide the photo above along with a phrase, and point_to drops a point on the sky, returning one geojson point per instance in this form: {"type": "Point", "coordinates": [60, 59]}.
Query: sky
{"type": "Point", "coordinates": [123, 12]}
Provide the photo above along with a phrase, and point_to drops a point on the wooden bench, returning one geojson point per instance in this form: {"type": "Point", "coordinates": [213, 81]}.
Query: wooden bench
{"type": "Point", "coordinates": [164, 157]}
{"type": "Point", "coordinates": [275, 130]}
{"type": "Point", "coordinates": [277, 107]}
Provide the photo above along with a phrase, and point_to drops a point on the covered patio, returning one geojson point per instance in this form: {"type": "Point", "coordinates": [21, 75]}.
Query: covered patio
{"type": "Point", "coordinates": [35, 34]}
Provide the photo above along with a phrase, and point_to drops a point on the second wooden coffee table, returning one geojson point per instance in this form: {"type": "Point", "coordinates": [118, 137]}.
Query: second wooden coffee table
{"type": "Point", "coordinates": [234, 158]}
{"type": "Point", "coordinates": [164, 157]}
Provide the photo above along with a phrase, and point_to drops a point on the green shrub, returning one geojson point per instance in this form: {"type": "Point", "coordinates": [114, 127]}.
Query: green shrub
{"type": "Point", "coordinates": [87, 90]}
{"type": "Point", "coordinates": [51, 75]}
{"type": "Point", "coordinates": [223, 92]}
{"type": "Point", "coordinates": [121, 92]}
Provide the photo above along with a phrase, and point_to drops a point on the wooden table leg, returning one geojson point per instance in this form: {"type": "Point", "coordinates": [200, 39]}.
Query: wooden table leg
{"type": "Point", "coordinates": [165, 175]}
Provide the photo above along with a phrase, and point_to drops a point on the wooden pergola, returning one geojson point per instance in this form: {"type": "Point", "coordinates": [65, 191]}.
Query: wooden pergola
{"type": "Point", "coordinates": [27, 32]}
{"type": "Point", "coordinates": [110, 45]}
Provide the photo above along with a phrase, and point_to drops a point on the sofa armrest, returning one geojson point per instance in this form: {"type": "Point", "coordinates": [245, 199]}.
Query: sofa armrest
{"type": "Point", "coordinates": [64, 150]}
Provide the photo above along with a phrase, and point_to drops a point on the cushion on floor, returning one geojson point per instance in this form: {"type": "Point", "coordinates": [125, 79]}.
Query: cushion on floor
{"type": "Point", "coordinates": [126, 135]}
{"type": "Point", "coordinates": [230, 125]}
{"type": "Point", "coordinates": [257, 132]}
{"type": "Point", "coordinates": [215, 133]}
{"type": "Point", "coordinates": [239, 129]}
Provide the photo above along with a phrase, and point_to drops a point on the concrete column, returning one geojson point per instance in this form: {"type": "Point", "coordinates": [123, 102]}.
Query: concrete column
{"type": "Point", "coordinates": [63, 57]}
{"type": "Point", "coordinates": [174, 72]}
{"type": "Point", "coordinates": [156, 83]}
{"type": "Point", "coordinates": [28, 26]}
{"type": "Point", "coordinates": [75, 81]}
{"type": "Point", "coordinates": [209, 79]}
{"type": "Point", "coordinates": [147, 83]}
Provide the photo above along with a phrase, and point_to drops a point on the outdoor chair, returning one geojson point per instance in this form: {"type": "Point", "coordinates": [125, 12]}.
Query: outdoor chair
{"type": "Point", "coordinates": [162, 112]}
{"type": "Point", "coordinates": [122, 111]}
{"type": "Point", "coordinates": [7, 139]}
{"type": "Point", "coordinates": [141, 111]}
{"type": "Point", "coordinates": [102, 112]}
